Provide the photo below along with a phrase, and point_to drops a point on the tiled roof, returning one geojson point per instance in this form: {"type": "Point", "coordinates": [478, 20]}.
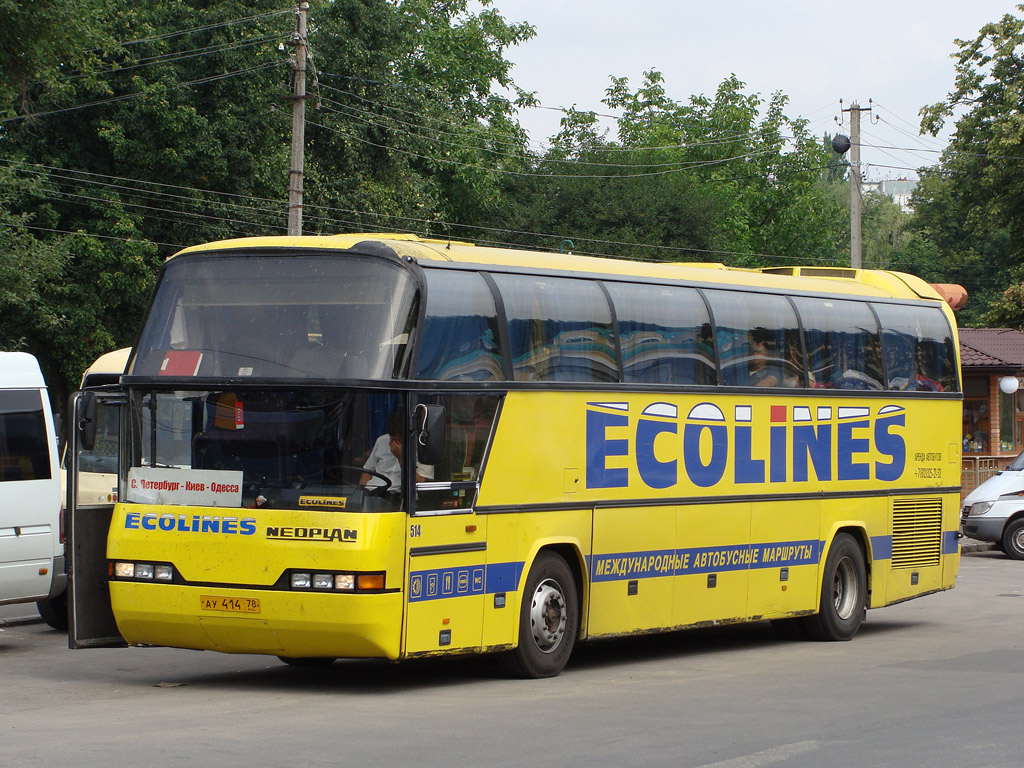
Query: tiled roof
{"type": "Point", "coordinates": [992, 347]}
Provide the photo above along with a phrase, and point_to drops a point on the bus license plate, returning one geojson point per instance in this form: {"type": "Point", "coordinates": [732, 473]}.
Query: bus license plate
{"type": "Point", "coordinates": [232, 604]}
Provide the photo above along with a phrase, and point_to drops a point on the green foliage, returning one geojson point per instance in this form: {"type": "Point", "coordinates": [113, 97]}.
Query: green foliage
{"type": "Point", "coordinates": [25, 264]}
{"type": "Point", "coordinates": [406, 123]}
{"type": "Point", "coordinates": [972, 206]}
{"type": "Point", "coordinates": [41, 41]}
{"type": "Point", "coordinates": [144, 127]}
{"type": "Point", "coordinates": [708, 179]}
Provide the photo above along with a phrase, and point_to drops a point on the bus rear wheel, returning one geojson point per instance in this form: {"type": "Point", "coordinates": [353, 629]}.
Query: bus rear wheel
{"type": "Point", "coordinates": [844, 589]}
{"type": "Point", "coordinates": [549, 620]}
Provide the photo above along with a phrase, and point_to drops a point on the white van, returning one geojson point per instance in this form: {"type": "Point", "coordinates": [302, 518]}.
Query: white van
{"type": "Point", "coordinates": [31, 550]}
{"type": "Point", "coordinates": [994, 511]}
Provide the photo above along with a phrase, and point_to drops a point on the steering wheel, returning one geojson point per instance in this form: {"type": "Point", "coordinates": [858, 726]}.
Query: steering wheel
{"type": "Point", "coordinates": [378, 490]}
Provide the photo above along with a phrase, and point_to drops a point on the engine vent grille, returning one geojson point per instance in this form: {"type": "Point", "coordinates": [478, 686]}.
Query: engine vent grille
{"type": "Point", "coordinates": [916, 532]}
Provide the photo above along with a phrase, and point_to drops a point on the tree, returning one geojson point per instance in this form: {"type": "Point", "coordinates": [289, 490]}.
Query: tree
{"type": "Point", "coordinates": [704, 180]}
{"type": "Point", "coordinates": [973, 205]}
{"type": "Point", "coordinates": [173, 127]}
{"type": "Point", "coordinates": [42, 42]}
{"type": "Point", "coordinates": [409, 131]}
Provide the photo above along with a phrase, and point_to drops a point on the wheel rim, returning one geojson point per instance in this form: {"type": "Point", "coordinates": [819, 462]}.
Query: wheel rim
{"type": "Point", "coordinates": [1018, 540]}
{"type": "Point", "coordinates": [844, 589]}
{"type": "Point", "coordinates": [548, 616]}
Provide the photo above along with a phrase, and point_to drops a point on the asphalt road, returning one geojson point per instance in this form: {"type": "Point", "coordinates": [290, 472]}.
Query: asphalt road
{"type": "Point", "coordinates": [937, 681]}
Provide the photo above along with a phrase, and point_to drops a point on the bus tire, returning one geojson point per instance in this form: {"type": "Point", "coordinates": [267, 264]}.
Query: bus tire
{"type": "Point", "coordinates": [790, 629]}
{"type": "Point", "coordinates": [844, 589]}
{"type": "Point", "coordinates": [549, 620]}
{"type": "Point", "coordinates": [1013, 539]}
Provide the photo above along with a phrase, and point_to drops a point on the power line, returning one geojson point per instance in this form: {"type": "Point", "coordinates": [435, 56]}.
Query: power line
{"type": "Point", "coordinates": [169, 58]}
{"type": "Point", "coordinates": [621, 176]}
{"type": "Point", "coordinates": [125, 97]}
{"type": "Point", "coordinates": [206, 27]}
{"type": "Point", "coordinates": [426, 225]}
{"type": "Point", "coordinates": [81, 233]}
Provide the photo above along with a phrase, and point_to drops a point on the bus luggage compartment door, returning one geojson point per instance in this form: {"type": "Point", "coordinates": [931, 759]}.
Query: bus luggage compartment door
{"type": "Point", "coordinates": [91, 621]}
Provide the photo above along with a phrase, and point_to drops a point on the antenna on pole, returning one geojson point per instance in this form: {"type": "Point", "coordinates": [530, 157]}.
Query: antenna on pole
{"type": "Point", "coordinates": [841, 144]}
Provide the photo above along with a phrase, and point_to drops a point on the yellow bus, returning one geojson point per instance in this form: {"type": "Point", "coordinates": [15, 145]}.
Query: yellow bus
{"type": "Point", "coordinates": [385, 446]}
{"type": "Point", "coordinates": [97, 478]}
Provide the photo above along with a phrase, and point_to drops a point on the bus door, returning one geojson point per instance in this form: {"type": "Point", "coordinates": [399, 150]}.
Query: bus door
{"type": "Point", "coordinates": [446, 539]}
{"type": "Point", "coordinates": [92, 465]}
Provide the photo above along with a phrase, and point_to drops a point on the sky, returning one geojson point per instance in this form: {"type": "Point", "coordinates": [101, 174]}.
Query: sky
{"type": "Point", "coordinates": [897, 53]}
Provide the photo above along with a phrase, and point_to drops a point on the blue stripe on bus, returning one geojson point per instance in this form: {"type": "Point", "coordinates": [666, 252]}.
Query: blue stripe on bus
{"type": "Point", "coordinates": [881, 547]}
{"type": "Point", "coordinates": [464, 581]}
{"type": "Point", "coordinates": [950, 542]}
{"type": "Point", "coordinates": [681, 562]}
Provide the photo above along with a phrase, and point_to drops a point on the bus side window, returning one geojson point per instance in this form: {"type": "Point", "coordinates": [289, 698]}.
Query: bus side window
{"type": "Point", "coordinates": [843, 343]}
{"type": "Point", "coordinates": [759, 339]}
{"type": "Point", "coordinates": [559, 329]}
{"type": "Point", "coordinates": [456, 478]}
{"type": "Point", "coordinates": [665, 333]}
{"type": "Point", "coordinates": [918, 349]}
{"type": "Point", "coordinates": [469, 427]}
{"type": "Point", "coordinates": [460, 340]}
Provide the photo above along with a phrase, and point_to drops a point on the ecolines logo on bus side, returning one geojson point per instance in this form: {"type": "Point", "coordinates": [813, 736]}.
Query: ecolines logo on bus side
{"type": "Point", "coordinates": [786, 448]}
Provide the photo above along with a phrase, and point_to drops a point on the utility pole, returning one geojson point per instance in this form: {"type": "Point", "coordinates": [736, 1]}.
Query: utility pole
{"type": "Point", "coordinates": [298, 124]}
{"type": "Point", "coordinates": [855, 245]}
{"type": "Point", "coordinates": [841, 144]}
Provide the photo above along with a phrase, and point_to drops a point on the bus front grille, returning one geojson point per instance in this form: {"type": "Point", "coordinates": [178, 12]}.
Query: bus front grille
{"type": "Point", "coordinates": [916, 532]}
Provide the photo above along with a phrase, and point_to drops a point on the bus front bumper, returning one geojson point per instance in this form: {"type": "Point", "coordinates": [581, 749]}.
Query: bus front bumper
{"type": "Point", "coordinates": [279, 623]}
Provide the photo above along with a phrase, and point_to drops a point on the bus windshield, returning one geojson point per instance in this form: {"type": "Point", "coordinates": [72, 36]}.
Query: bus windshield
{"type": "Point", "coordinates": [239, 314]}
{"type": "Point", "coordinates": [301, 448]}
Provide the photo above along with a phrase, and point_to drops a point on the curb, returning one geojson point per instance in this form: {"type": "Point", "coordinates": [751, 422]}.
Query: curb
{"type": "Point", "coordinates": [970, 546]}
{"type": "Point", "coordinates": [19, 621]}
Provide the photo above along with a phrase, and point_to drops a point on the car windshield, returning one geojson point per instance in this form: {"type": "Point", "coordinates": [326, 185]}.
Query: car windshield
{"type": "Point", "coordinates": [1017, 464]}
{"type": "Point", "coordinates": [239, 314]}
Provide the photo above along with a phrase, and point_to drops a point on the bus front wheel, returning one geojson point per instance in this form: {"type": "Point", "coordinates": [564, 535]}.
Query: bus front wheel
{"type": "Point", "coordinates": [549, 620]}
{"type": "Point", "coordinates": [843, 592]}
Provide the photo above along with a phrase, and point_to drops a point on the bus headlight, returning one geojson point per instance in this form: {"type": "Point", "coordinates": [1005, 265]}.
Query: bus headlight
{"type": "Point", "coordinates": [323, 581]}
{"type": "Point", "coordinates": [345, 581]}
{"type": "Point", "coordinates": [143, 570]}
{"type": "Point", "coordinates": [336, 582]}
{"type": "Point", "coordinates": [124, 569]}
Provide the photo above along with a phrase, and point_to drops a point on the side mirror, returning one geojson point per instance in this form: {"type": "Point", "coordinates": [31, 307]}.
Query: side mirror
{"type": "Point", "coordinates": [85, 420]}
{"type": "Point", "coordinates": [430, 433]}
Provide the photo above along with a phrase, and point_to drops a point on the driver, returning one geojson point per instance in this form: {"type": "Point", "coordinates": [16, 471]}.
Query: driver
{"type": "Point", "coordinates": [386, 459]}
